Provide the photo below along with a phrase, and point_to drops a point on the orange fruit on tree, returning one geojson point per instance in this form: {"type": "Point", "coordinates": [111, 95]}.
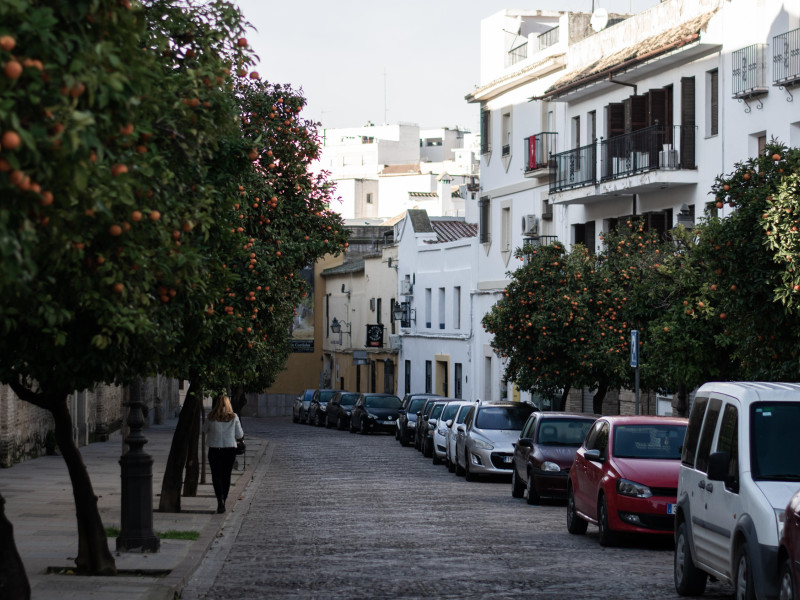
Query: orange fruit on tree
{"type": "Point", "coordinates": [155, 215]}
{"type": "Point", "coordinates": [10, 140]}
{"type": "Point", "coordinates": [115, 230]}
{"type": "Point", "coordinates": [118, 288]}
{"type": "Point", "coordinates": [7, 43]}
{"type": "Point", "coordinates": [13, 69]}
{"type": "Point", "coordinates": [119, 169]}
{"type": "Point", "coordinates": [136, 216]}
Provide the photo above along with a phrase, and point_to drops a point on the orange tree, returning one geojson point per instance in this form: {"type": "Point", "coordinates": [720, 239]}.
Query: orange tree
{"type": "Point", "coordinates": [278, 223]}
{"type": "Point", "coordinates": [557, 323]}
{"type": "Point", "coordinates": [107, 134]}
{"type": "Point", "coordinates": [751, 257]}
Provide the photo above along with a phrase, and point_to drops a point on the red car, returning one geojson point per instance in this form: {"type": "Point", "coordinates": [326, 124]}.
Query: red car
{"type": "Point", "coordinates": [625, 476]}
{"type": "Point", "coordinates": [789, 551]}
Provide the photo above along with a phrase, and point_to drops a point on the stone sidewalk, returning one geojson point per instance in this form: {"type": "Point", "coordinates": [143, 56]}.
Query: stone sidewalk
{"type": "Point", "coordinates": [40, 506]}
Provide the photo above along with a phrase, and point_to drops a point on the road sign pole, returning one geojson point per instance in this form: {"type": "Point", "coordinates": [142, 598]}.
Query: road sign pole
{"type": "Point", "coordinates": [635, 363]}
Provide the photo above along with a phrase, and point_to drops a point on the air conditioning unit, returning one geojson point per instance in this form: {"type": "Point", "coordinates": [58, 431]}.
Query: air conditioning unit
{"type": "Point", "coordinates": [530, 225]}
{"type": "Point", "coordinates": [406, 287]}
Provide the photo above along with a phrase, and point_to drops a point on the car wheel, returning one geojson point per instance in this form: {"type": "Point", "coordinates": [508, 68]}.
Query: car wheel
{"type": "Point", "coordinates": [459, 469]}
{"type": "Point", "coordinates": [317, 421]}
{"type": "Point", "coordinates": [744, 575]}
{"type": "Point", "coordinates": [295, 418]}
{"type": "Point", "coordinates": [533, 495]}
{"type": "Point", "coordinates": [786, 584]}
{"type": "Point", "coordinates": [339, 422]}
{"type": "Point", "coordinates": [404, 438]}
{"type": "Point", "coordinates": [328, 423]}
{"type": "Point", "coordinates": [575, 524]}
{"type": "Point", "coordinates": [689, 580]}
{"type": "Point", "coordinates": [426, 449]}
{"type": "Point", "coordinates": [435, 459]}
{"type": "Point", "coordinates": [468, 474]}
{"type": "Point", "coordinates": [606, 535]}
{"type": "Point", "coordinates": [350, 426]}
{"type": "Point", "coordinates": [517, 487]}
{"type": "Point", "coordinates": [363, 430]}
{"type": "Point", "coordinates": [451, 465]}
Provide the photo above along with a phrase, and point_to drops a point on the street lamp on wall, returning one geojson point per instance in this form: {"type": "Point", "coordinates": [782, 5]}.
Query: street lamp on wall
{"type": "Point", "coordinates": [404, 313]}
{"type": "Point", "coordinates": [336, 327]}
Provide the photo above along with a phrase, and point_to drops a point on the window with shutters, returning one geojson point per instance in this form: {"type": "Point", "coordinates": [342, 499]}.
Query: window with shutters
{"type": "Point", "coordinates": [687, 148]}
{"type": "Point", "coordinates": [486, 131]}
{"type": "Point", "coordinates": [484, 222]}
{"type": "Point", "coordinates": [584, 233]}
{"type": "Point", "coordinates": [615, 119]}
{"type": "Point", "coordinates": [576, 132]}
{"type": "Point", "coordinates": [712, 103]}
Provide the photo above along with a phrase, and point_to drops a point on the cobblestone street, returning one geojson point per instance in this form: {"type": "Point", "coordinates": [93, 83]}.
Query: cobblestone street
{"type": "Point", "coordinates": [345, 516]}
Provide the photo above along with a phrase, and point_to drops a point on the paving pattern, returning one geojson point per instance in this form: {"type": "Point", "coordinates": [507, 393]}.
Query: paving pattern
{"type": "Point", "coordinates": [342, 516]}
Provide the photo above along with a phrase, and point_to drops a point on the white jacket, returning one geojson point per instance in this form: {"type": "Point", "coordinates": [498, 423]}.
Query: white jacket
{"type": "Point", "coordinates": [222, 434]}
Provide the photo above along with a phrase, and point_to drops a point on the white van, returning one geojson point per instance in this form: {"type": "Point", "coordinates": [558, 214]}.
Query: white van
{"type": "Point", "coordinates": [740, 465]}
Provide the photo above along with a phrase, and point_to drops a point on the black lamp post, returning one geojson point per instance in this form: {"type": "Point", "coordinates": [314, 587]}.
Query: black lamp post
{"type": "Point", "coordinates": [136, 526]}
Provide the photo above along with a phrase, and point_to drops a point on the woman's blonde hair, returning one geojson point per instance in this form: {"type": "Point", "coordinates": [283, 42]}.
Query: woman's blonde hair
{"type": "Point", "coordinates": [222, 410]}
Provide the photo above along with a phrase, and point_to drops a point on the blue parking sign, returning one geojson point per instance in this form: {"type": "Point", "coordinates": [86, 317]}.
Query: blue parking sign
{"type": "Point", "coordinates": [634, 347]}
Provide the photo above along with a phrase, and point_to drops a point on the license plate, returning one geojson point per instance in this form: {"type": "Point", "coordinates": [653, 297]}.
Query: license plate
{"type": "Point", "coordinates": [671, 509]}
{"type": "Point", "coordinates": [387, 422]}
{"type": "Point", "coordinates": [507, 459]}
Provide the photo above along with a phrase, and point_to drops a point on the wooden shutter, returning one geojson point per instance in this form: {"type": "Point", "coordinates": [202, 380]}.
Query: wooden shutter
{"type": "Point", "coordinates": [615, 119]}
{"type": "Point", "coordinates": [714, 100]}
{"type": "Point", "coordinates": [687, 157]}
{"type": "Point", "coordinates": [486, 131]}
{"type": "Point", "coordinates": [589, 237]}
{"type": "Point", "coordinates": [635, 113]}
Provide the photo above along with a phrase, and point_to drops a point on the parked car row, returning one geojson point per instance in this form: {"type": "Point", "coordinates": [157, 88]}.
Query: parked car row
{"type": "Point", "coordinates": [725, 483]}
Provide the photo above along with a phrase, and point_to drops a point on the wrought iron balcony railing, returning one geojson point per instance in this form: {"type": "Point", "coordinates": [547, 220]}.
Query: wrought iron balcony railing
{"type": "Point", "coordinates": [548, 38]}
{"type": "Point", "coordinates": [642, 150]}
{"type": "Point", "coordinates": [786, 57]}
{"type": "Point", "coordinates": [573, 168]}
{"type": "Point", "coordinates": [749, 71]}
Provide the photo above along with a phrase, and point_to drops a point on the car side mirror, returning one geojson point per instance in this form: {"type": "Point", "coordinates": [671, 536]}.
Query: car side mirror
{"type": "Point", "coordinates": [419, 412]}
{"type": "Point", "coordinates": [449, 423]}
{"type": "Point", "coordinates": [461, 428]}
{"type": "Point", "coordinates": [594, 455]}
{"type": "Point", "coordinates": [524, 443]}
{"type": "Point", "coordinates": [402, 411]}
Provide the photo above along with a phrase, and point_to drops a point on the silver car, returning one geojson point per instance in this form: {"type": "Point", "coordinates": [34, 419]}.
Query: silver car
{"type": "Point", "coordinates": [485, 444]}
{"type": "Point", "coordinates": [452, 435]}
{"type": "Point", "coordinates": [441, 433]}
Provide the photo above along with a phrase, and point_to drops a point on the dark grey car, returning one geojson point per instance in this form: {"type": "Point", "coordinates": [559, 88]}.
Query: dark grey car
{"type": "Point", "coordinates": [407, 423]}
{"type": "Point", "coordinates": [300, 406]}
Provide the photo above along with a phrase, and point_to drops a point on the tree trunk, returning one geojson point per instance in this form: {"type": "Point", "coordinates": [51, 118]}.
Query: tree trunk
{"type": "Point", "coordinates": [170, 500]}
{"type": "Point", "coordinates": [93, 557]}
{"type": "Point", "coordinates": [13, 580]}
{"type": "Point", "coordinates": [238, 398]}
{"type": "Point", "coordinates": [683, 401]}
{"type": "Point", "coordinates": [190, 480]}
{"type": "Point", "coordinates": [599, 396]}
{"type": "Point", "coordinates": [562, 399]}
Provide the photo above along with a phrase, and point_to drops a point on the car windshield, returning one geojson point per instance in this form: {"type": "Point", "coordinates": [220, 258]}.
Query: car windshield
{"type": "Point", "coordinates": [503, 417]}
{"type": "Point", "coordinates": [563, 432]}
{"type": "Point", "coordinates": [449, 411]}
{"type": "Point", "coordinates": [348, 399]}
{"type": "Point", "coordinates": [775, 444]}
{"type": "Point", "coordinates": [662, 441]}
{"type": "Point", "coordinates": [416, 405]}
{"type": "Point", "coordinates": [383, 402]}
{"type": "Point", "coordinates": [437, 410]}
{"type": "Point", "coordinates": [325, 395]}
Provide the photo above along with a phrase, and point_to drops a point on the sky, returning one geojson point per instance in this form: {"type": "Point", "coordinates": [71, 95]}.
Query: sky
{"type": "Point", "coordinates": [384, 62]}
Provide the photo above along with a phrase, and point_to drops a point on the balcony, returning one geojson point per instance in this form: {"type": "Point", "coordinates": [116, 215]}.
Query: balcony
{"type": "Point", "coordinates": [749, 72]}
{"type": "Point", "coordinates": [786, 58]}
{"type": "Point", "coordinates": [639, 151]}
{"type": "Point", "coordinates": [517, 54]}
{"type": "Point", "coordinates": [548, 38]}
{"type": "Point", "coordinates": [537, 151]}
{"type": "Point", "coordinates": [573, 168]}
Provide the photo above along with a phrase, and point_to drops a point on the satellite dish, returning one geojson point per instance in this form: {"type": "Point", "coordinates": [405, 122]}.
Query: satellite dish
{"type": "Point", "coordinates": [599, 19]}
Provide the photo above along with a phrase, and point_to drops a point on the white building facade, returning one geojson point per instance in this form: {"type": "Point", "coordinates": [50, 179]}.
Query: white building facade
{"type": "Point", "coordinates": [382, 170]}
{"type": "Point", "coordinates": [581, 129]}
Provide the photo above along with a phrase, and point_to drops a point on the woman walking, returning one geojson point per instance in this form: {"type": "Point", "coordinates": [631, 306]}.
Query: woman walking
{"type": "Point", "coordinates": [222, 429]}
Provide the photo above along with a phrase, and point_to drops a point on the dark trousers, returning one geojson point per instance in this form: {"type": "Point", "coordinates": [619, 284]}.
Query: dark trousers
{"type": "Point", "coordinates": [221, 462]}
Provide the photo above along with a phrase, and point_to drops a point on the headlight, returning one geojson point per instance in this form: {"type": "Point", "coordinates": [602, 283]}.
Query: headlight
{"type": "Point", "coordinates": [780, 518]}
{"type": "Point", "coordinates": [482, 444]}
{"type": "Point", "coordinates": [347, 412]}
{"type": "Point", "coordinates": [323, 408]}
{"type": "Point", "coordinates": [411, 424]}
{"type": "Point", "coordinates": [371, 416]}
{"type": "Point", "coordinates": [631, 488]}
{"type": "Point", "coordinates": [443, 431]}
{"type": "Point", "coordinates": [550, 467]}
